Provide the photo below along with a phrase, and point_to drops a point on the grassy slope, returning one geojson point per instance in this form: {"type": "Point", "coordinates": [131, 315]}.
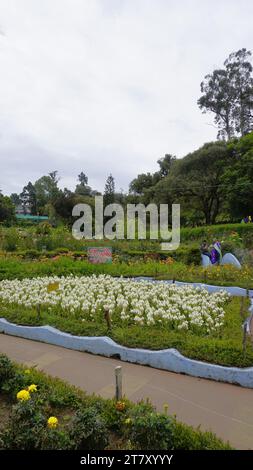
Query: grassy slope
{"type": "Point", "coordinates": [61, 237]}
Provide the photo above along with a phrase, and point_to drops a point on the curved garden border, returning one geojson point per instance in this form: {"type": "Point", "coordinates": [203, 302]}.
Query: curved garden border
{"type": "Point", "coordinates": [166, 359]}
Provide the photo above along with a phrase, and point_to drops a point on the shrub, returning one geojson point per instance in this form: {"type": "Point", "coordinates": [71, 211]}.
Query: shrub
{"type": "Point", "coordinates": [88, 430]}
{"type": "Point", "coordinates": [149, 430]}
{"type": "Point", "coordinates": [7, 369]}
{"type": "Point", "coordinates": [44, 242]}
{"type": "Point", "coordinates": [11, 378]}
{"type": "Point", "coordinates": [62, 250]}
{"type": "Point", "coordinates": [193, 256]}
{"type": "Point", "coordinates": [25, 428]}
{"type": "Point", "coordinates": [248, 240]}
{"type": "Point", "coordinates": [54, 439]}
{"type": "Point", "coordinates": [187, 438]}
{"type": "Point", "coordinates": [10, 240]}
{"type": "Point", "coordinates": [32, 254]}
{"type": "Point", "coordinates": [111, 415]}
{"type": "Point", "coordinates": [14, 383]}
{"type": "Point", "coordinates": [227, 247]}
{"type": "Point", "coordinates": [44, 228]}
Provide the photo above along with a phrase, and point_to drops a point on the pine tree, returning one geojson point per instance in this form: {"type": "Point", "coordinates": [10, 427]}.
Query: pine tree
{"type": "Point", "coordinates": [109, 194]}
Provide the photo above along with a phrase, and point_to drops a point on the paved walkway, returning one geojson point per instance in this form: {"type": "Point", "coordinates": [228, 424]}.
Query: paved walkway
{"type": "Point", "coordinates": [225, 409]}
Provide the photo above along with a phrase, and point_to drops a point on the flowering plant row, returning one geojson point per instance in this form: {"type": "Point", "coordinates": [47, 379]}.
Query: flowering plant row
{"type": "Point", "coordinates": [128, 302]}
{"type": "Point", "coordinates": [43, 413]}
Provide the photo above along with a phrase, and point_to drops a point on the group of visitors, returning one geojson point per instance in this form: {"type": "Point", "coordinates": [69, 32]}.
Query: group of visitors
{"type": "Point", "coordinates": [212, 251]}
{"type": "Point", "coordinates": [247, 220]}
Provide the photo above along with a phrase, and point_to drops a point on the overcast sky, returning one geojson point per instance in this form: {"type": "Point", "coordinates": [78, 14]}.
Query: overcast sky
{"type": "Point", "coordinates": [106, 86]}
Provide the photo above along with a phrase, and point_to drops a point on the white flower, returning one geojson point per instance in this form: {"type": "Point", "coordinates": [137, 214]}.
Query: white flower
{"type": "Point", "coordinates": [144, 303]}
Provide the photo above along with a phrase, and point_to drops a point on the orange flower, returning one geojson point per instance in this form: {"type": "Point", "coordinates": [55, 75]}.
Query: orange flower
{"type": "Point", "coordinates": [120, 406]}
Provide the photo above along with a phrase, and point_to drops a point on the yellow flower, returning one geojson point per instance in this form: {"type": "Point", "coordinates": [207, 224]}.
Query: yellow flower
{"type": "Point", "coordinates": [23, 395]}
{"type": "Point", "coordinates": [32, 388]}
{"type": "Point", "coordinates": [27, 371]}
{"type": "Point", "coordinates": [52, 422]}
{"type": "Point", "coordinates": [128, 421]}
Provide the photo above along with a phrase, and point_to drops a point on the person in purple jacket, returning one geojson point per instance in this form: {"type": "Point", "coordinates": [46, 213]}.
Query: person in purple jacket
{"type": "Point", "coordinates": [216, 254]}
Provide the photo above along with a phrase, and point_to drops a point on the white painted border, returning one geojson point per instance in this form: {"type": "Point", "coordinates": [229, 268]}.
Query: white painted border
{"type": "Point", "coordinates": [167, 359]}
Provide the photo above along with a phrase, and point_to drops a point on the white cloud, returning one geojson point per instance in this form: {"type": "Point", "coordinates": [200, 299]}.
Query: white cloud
{"type": "Point", "coordinates": [107, 85]}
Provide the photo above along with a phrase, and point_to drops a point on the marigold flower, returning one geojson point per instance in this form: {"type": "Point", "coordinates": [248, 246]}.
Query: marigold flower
{"type": "Point", "coordinates": [52, 422]}
{"type": "Point", "coordinates": [120, 405]}
{"type": "Point", "coordinates": [23, 395]}
{"type": "Point", "coordinates": [32, 388]}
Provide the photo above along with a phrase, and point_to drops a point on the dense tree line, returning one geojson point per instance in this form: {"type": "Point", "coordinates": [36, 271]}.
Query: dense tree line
{"type": "Point", "coordinates": [44, 197]}
{"type": "Point", "coordinates": [214, 183]}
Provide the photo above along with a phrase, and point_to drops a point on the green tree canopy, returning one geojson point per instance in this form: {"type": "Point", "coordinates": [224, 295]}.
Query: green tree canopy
{"type": "Point", "coordinates": [228, 93]}
{"type": "Point", "coordinates": [109, 193]}
{"type": "Point", "coordinates": [238, 177]}
{"type": "Point", "coordinates": [82, 188]}
{"type": "Point", "coordinates": [7, 209]}
{"type": "Point", "coordinates": [46, 190]}
{"type": "Point", "coordinates": [28, 199]}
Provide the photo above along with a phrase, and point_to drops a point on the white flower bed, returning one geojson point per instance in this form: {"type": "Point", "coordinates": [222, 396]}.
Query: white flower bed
{"type": "Point", "coordinates": [128, 302]}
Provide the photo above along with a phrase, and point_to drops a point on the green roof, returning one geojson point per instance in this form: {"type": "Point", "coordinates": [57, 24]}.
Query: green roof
{"type": "Point", "coordinates": [32, 217]}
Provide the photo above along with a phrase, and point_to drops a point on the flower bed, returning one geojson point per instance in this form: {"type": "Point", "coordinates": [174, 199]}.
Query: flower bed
{"type": "Point", "coordinates": [127, 302]}
{"type": "Point", "coordinates": [45, 413]}
{"type": "Point", "coordinates": [155, 316]}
